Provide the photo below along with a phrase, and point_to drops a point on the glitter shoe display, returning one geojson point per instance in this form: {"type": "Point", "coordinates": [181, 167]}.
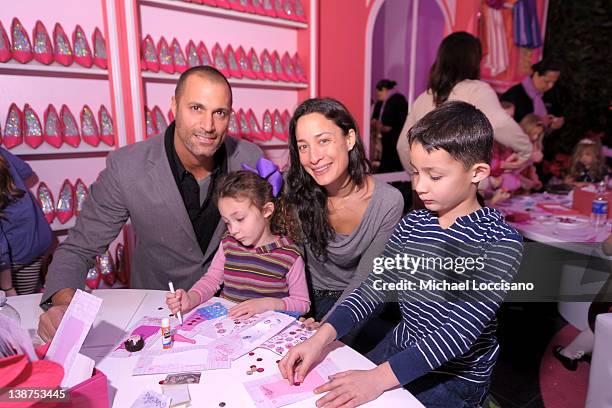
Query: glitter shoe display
{"type": "Point", "coordinates": [286, 121]}
{"type": "Point", "coordinates": [82, 52]}
{"type": "Point", "coordinates": [43, 50]}
{"type": "Point", "coordinates": [256, 65]}
{"type": "Point", "coordinates": [219, 60]}
{"type": "Point", "coordinates": [299, 70]}
{"type": "Point", "coordinates": [150, 55]}
{"type": "Point", "coordinates": [61, 46]}
{"type": "Point", "coordinates": [13, 127]}
{"type": "Point", "coordinates": [288, 68]}
{"type": "Point", "coordinates": [193, 59]}
{"type": "Point", "coordinates": [71, 131]}
{"type": "Point", "coordinates": [300, 14]}
{"type": "Point", "coordinates": [244, 64]}
{"type": "Point", "coordinates": [32, 132]}
{"type": "Point", "coordinates": [230, 57]}
{"type": "Point", "coordinates": [256, 132]}
{"type": "Point", "coordinates": [46, 201]}
{"type": "Point", "coordinates": [166, 62]}
{"type": "Point", "coordinates": [151, 131]}
{"type": "Point", "coordinates": [106, 268]}
{"type": "Point", "coordinates": [89, 127]}
{"type": "Point", "coordinates": [99, 49]}
{"type": "Point", "coordinates": [278, 127]}
{"type": "Point", "coordinates": [53, 132]}
{"type": "Point", "coordinates": [243, 125]}
{"type": "Point", "coordinates": [107, 129]}
{"type": "Point", "coordinates": [64, 210]}
{"type": "Point", "coordinates": [180, 63]}
{"type": "Point", "coordinates": [80, 194]}
{"type": "Point", "coordinates": [268, 8]}
{"type": "Point", "coordinates": [5, 45]}
{"type": "Point", "coordinates": [121, 264]}
{"type": "Point", "coordinates": [278, 67]}
{"type": "Point", "coordinates": [204, 55]}
{"type": "Point", "coordinates": [22, 47]}
{"type": "Point", "coordinates": [93, 278]}
{"type": "Point", "coordinates": [266, 125]}
{"type": "Point", "coordinates": [266, 63]}
{"type": "Point", "coordinates": [159, 121]}
{"type": "Point", "coordinates": [233, 129]}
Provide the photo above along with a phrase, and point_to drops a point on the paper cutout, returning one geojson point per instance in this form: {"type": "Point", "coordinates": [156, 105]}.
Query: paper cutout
{"type": "Point", "coordinates": [151, 399]}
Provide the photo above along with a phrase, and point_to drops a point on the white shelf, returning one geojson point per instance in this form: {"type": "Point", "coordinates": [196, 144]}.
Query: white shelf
{"type": "Point", "coordinates": [54, 69]}
{"type": "Point", "coordinates": [219, 11]}
{"type": "Point", "coordinates": [248, 83]}
{"type": "Point", "coordinates": [57, 226]}
{"type": "Point", "coordinates": [46, 149]}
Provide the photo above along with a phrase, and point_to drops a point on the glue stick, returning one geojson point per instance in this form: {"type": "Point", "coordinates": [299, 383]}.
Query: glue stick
{"type": "Point", "coordinates": [166, 334]}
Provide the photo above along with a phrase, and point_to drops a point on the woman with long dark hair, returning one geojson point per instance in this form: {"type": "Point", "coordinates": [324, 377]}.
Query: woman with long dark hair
{"type": "Point", "coordinates": [25, 235]}
{"type": "Point", "coordinates": [346, 216]}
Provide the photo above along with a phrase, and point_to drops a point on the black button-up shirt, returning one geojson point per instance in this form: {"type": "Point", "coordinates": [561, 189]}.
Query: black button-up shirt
{"type": "Point", "coordinates": [203, 214]}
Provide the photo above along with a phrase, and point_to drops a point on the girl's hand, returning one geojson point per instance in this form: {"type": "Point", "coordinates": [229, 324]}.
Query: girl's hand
{"type": "Point", "coordinates": [252, 307]}
{"type": "Point", "coordinates": [350, 389]}
{"type": "Point", "coordinates": [180, 300]}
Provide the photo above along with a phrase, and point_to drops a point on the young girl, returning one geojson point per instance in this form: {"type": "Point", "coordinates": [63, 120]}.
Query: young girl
{"type": "Point", "coordinates": [257, 262]}
{"type": "Point", "coordinates": [533, 126]}
{"type": "Point", "coordinates": [587, 164]}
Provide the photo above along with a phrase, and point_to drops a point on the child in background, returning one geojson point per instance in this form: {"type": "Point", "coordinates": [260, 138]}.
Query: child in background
{"type": "Point", "coordinates": [508, 107]}
{"type": "Point", "coordinates": [443, 350]}
{"type": "Point", "coordinates": [257, 262]}
{"type": "Point", "coordinates": [534, 128]}
{"type": "Point", "coordinates": [587, 164]}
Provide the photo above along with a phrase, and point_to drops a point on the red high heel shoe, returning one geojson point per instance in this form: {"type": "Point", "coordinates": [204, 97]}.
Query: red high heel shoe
{"type": "Point", "coordinates": [107, 129]}
{"type": "Point", "coordinates": [151, 131]}
{"type": "Point", "coordinates": [288, 67]}
{"type": "Point", "coordinates": [64, 210]}
{"type": "Point", "coordinates": [5, 45]}
{"type": "Point", "coordinates": [43, 50]}
{"type": "Point", "coordinates": [80, 194]}
{"type": "Point", "coordinates": [278, 67]}
{"type": "Point", "coordinates": [243, 126]}
{"type": "Point", "coordinates": [230, 57]}
{"type": "Point", "coordinates": [99, 49]}
{"type": "Point", "coordinates": [268, 68]}
{"type": "Point", "coordinates": [121, 264]}
{"type": "Point", "coordinates": [22, 47]}
{"type": "Point", "coordinates": [46, 201]}
{"type": "Point", "coordinates": [191, 51]}
{"type": "Point", "coordinates": [53, 133]}
{"type": "Point", "coordinates": [256, 65]}
{"type": "Point", "coordinates": [13, 127]}
{"type": "Point", "coordinates": [71, 131]}
{"type": "Point", "coordinates": [300, 14]}
{"type": "Point", "coordinates": [106, 267]}
{"type": "Point", "coordinates": [204, 55]}
{"type": "Point", "coordinates": [256, 133]}
{"type": "Point", "coordinates": [159, 121]}
{"type": "Point", "coordinates": [219, 60]}
{"type": "Point", "coordinates": [32, 132]}
{"type": "Point", "coordinates": [243, 63]}
{"type": "Point", "coordinates": [89, 127]}
{"type": "Point", "coordinates": [61, 46]}
{"type": "Point", "coordinates": [278, 127]}
{"type": "Point", "coordinates": [149, 54]}
{"type": "Point", "coordinates": [180, 63]}
{"type": "Point", "coordinates": [299, 69]}
{"type": "Point", "coordinates": [166, 62]}
{"type": "Point", "coordinates": [93, 278]}
{"type": "Point", "coordinates": [233, 129]}
{"type": "Point", "coordinates": [266, 125]}
{"type": "Point", "coordinates": [82, 52]}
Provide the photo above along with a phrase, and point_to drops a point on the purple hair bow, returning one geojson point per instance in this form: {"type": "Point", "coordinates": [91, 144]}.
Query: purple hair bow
{"type": "Point", "coordinates": [269, 171]}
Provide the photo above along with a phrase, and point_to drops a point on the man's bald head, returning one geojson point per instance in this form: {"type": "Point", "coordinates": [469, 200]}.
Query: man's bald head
{"type": "Point", "coordinates": [205, 72]}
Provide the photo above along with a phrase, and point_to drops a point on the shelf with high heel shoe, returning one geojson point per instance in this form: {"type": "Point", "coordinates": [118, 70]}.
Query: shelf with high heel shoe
{"type": "Point", "coordinates": [65, 149]}
{"type": "Point", "coordinates": [243, 82]}
{"type": "Point", "coordinates": [223, 12]}
{"type": "Point", "coordinates": [53, 69]}
{"type": "Point", "coordinates": [58, 226]}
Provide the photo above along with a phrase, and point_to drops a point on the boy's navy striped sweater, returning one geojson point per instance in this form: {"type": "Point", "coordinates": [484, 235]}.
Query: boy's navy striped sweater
{"type": "Point", "coordinates": [441, 332]}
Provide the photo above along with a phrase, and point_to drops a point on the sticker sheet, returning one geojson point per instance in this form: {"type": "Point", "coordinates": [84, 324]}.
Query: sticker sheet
{"type": "Point", "coordinates": [288, 338]}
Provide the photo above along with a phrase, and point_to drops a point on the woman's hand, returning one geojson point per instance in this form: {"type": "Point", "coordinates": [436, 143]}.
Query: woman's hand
{"type": "Point", "coordinates": [310, 323]}
{"type": "Point", "coordinates": [180, 300]}
{"type": "Point", "coordinates": [252, 307]}
{"type": "Point", "coordinates": [350, 389]}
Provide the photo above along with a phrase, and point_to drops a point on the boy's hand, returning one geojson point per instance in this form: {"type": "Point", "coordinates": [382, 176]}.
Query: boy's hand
{"type": "Point", "coordinates": [252, 307]}
{"type": "Point", "coordinates": [180, 300]}
{"type": "Point", "coordinates": [350, 389]}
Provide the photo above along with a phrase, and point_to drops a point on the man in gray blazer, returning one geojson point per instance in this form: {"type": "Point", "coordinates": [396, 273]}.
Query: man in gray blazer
{"type": "Point", "coordinates": [164, 185]}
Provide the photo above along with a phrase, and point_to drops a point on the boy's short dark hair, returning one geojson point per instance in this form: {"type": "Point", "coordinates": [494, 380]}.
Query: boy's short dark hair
{"type": "Point", "coordinates": [460, 129]}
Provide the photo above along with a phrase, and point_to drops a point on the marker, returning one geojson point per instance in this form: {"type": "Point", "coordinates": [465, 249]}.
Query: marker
{"type": "Point", "coordinates": [179, 315]}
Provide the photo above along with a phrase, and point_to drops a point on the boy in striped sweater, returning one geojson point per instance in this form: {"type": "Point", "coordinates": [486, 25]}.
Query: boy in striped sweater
{"type": "Point", "coordinates": [449, 266]}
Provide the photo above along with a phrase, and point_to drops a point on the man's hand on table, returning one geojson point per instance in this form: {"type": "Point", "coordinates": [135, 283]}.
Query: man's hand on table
{"type": "Point", "coordinates": [50, 320]}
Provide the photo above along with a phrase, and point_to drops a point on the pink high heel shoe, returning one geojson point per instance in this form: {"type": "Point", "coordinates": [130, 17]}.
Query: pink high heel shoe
{"type": "Point", "coordinates": [244, 64]}
{"type": "Point", "coordinates": [233, 129]}
{"type": "Point", "coordinates": [268, 8]}
{"type": "Point", "coordinates": [180, 63]}
{"type": "Point", "coordinates": [71, 131]}
{"type": "Point", "coordinates": [193, 59]}
{"type": "Point", "coordinates": [22, 47]}
{"type": "Point", "coordinates": [170, 116]}
{"type": "Point", "coordinates": [266, 125]}
{"type": "Point", "coordinates": [89, 127]}
{"type": "Point", "coordinates": [121, 264]}
{"type": "Point", "coordinates": [278, 127]}
{"type": "Point", "coordinates": [256, 65]}
{"type": "Point", "coordinates": [150, 55]}
{"type": "Point", "coordinates": [166, 62]}
{"type": "Point", "coordinates": [46, 201]}
{"type": "Point", "coordinates": [151, 131]}
{"type": "Point", "coordinates": [268, 68]}
{"type": "Point", "coordinates": [80, 194]}
{"type": "Point", "coordinates": [106, 268]}
{"type": "Point", "coordinates": [300, 14]}
{"type": "Point", "coordinates": [107, 129]}
{"type": "Point", "coordinates": [299, 69]}
{"type": "Point", "coordinates": [286, 121]}
{"type": "Point", "coordinates": [99, 49]}
{"type": "Point", "coordinates": [219, 60]}
{"type": "Point", "coordinates": [223, 4]}
{"type": "Point", "coordinates": [43, 50]}
{"type": "Point", "coordinates": [5, 45]}
{"type": "Point", "coordinates": [64, 210]}
{"type": "Point", "coordinates": [159, 121]}
{"type": "Point", "coordinates": [92, 280]}
{"type": "Point", "coordinates": [82, 52]}
{"type": "Point", "coordinates": [288, 68]}
{"type": "Point", "coordinates": [204, 55]}
{"type": "Point", "coordinates": [247, 6]}
{"type": "Point", "coordinates": [256, 132]}
{"type": "Point", "coordinates": [258, 7]}
{"type": "Point", "coordinates": [13, 127]}
{"type": "Point", "coordinates": [53, 133]}
{"type": "Point", "coordinates": [212, 3]}
{"type": "Point", "coordinates": [230, 57]}
{"type": "Point", "coordinates": [243, 126]}
{"type": "Point", "coordinates": [284, 9]}
{"type": "Point", "coordinates": [236, 5]}
{"type": "Point", "coordinates": [61, 46]}
{"type": "Point", "coordinates": [278, 67]}
{"type": "Point", "coordinates": [32, 133]}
